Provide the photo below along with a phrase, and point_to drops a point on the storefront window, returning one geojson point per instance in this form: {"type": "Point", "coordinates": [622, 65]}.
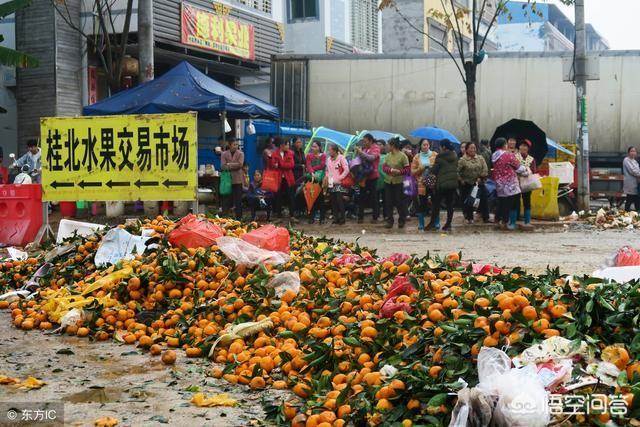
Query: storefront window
{"type": "Point", "coordinates": [303, 9]}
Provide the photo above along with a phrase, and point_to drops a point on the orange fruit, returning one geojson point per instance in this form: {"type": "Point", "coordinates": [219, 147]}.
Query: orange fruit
{"type": "Point", "coordinates": [616, 354]}
{"type": "Point", "coordinates": [436, 315]}
{"type": "Point", "coordinates": [369, 332]}
{"type": "Point", "coordinates": [301, 390]}
{"type": "Point", "coordinates": [540, 325]}
{"type": "Point", "coordinates": [633, 370]}
{"type": "Point", "coordinates": [169, 357]}
{"type": "Point", "coordinates": [155, 349]}
{"type": "Point", "coordinates": [383, 405]}
{"type": "Point", "coordinates": [482, 302]}
{"type": "Point", "coordinates": [193, 352]}
{"type": "Point", "coordinates": [529, 312]}
{"type": "Point", "coordinates": [404, 268]}
{"type": "Point", "coordinates": [434, 371]}
{"type": "Point", "coordinates": [257, 383]}
{"type": "Point", "coordinates": [413, 404]}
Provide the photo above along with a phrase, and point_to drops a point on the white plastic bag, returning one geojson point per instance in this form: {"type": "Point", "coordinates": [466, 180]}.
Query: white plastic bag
{"type": "Point", "coordinates": [247, 254]}
{"type": "Point", "coordinates": [285, 281]}
{"type": "Point", "coordinates": [119, 244]}
{"type": "Point", "coordinates": [519, 395]}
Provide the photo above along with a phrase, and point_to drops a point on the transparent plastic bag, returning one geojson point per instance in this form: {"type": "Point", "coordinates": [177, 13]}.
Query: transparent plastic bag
{"type": "Point", "coordinates": [518, 393]}
{"type": "Point", "coordinates": [285, 281]}
{"type": "Point", "coordinates": [247, 254]}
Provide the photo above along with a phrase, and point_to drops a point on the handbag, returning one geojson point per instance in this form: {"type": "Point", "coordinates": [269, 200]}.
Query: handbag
{"type": "Point", "coordinates": [409, 186]}
{"type": "Point", "coordinates": [529, 183]}
{"type": "Point", "coordinates": [348, 181]}
{"type": "Point", "coordinates": [225, 183]}
{"type": "Point", "coordinates": [473, 200]}
{"type": "Point", "coordinates": [430, 181]}
{"type": "Point", "coordinates": [271, 180]}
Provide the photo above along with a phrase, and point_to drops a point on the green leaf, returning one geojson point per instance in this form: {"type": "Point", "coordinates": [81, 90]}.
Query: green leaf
{"type": "Point", "coordinates": [193, 388]}
{"type": "Point", "coordinates": [635, 344]}
{"type": "Point", "coordinates": [14, 58]}
{"type": "Point", "coordinates": [438, 399]}
{"type": "Point", "coordinates": [10, 7]}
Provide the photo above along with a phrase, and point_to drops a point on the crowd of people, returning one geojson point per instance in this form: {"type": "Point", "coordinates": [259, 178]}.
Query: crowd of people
{"type": "Point", "coordinates": [388, 179]}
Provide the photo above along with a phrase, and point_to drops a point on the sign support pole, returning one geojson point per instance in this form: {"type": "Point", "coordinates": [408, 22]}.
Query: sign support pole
{"type": "Point", "coordinates": [45, 230]}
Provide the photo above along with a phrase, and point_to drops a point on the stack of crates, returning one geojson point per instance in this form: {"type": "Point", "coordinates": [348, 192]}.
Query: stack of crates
{"type": "Point", "coordinates": [554, 156]}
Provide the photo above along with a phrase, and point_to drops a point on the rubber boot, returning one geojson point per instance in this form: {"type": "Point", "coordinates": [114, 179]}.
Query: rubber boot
{"type": "Point", "coordinates": [513, 217]}
{"type": "Point", "coordinates": [527, 216]}
{"type": "Point", "coordinates": [420, 222]}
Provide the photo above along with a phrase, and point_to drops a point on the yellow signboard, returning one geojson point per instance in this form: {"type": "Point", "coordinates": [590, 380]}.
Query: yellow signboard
{"type": "Point", "coordinates": [136, 157]}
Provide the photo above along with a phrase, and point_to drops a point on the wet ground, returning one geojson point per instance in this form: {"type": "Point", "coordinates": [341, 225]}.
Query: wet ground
{"type": "Point", "coordinates": [108, 379]}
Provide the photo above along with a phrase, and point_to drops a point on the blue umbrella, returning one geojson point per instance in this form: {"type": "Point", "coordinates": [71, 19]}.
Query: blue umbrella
{"type": "Point", "coordinates": [434, 134]}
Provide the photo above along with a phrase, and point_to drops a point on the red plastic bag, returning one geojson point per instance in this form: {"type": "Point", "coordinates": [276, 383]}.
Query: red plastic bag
{"type": "Point", "coordinates": [269, 237]}
{"type": "Point", "coordinates": [400, 286]}
{"type": "Point", "coordinates": [485, 269]}
{"type": "Point", "coordinates": [627, 256]}
{"type": "Point", "coordinates": [397, 258]}
{"type": "Point", "coordinates": [192, 232]}
{"type": "Point", "coordinates": [271, 180]}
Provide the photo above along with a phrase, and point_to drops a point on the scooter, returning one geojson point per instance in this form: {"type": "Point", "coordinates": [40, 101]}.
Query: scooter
{"type": "Point", "coordinates": [26, 175]}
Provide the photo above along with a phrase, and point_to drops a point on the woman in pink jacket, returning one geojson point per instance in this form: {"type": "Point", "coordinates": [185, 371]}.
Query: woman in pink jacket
{"type": "Point", "coordinates": [337, 170]}
{"type": "Point", "coordinates": [506, 169]}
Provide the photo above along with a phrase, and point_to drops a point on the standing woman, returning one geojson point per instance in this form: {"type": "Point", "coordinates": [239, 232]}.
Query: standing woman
{"type": "Point", "coordinates": [337, 171]}
{"type": "Point", "coordinates": [631, 172]}
{"type": "Point", "coordinates": [472, 171]}
{"type": "Point", "coordinates": [396, 166]}
{"type": "Point", "coordinates": [316, 162]}
{"type": "Point", "coordinates": [282, 161]}
{"type": "Point", "coordinates": [529, 163]}
{"type": "Point", "coordinates": [421, 170]}
{"type": "Point", "coordinates": [445, 169]}
{"type": "Point", "coordinates": [506, 169]}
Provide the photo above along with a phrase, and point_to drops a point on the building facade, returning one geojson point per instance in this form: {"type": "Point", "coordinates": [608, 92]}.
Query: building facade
{"type": "Point", "coordinates": [332, 26]}
{"type": "Point", "coordinates": [543, 29]}
{"type": "Point", "coordinates": [403, 29]}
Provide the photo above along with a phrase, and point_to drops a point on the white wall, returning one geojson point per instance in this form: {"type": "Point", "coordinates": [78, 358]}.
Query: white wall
{"type": "Point", "coordinates": [401, 94]}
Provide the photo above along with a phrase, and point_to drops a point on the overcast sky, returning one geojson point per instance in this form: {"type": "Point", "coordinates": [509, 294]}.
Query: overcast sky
{"type": "Point", "coordinates": [615, 20]}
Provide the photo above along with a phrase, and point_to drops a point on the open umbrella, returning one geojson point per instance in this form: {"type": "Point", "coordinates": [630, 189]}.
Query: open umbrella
{"type": "Point", "coordinates": [434, 134]}
{"type": "Point", "coordinates": [311, 192]}
{"type": "Point", "coordinates": [524, 129]}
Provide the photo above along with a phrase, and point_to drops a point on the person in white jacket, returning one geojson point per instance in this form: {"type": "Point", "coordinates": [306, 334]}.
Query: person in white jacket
{"type": "Point", "coordinates": [631, 171]}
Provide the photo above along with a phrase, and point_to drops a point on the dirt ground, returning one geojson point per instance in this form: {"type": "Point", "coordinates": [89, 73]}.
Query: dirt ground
{"type": "Point", "coordinates": [109, 379]}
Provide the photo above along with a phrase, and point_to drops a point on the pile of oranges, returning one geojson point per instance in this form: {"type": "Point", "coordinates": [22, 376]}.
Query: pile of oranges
{"type": "Point", "coordinates": [327, 343]}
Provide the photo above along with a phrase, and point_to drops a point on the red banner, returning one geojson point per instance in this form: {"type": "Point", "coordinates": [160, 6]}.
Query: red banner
{"type": "Point", "coordinates": [222, 34]}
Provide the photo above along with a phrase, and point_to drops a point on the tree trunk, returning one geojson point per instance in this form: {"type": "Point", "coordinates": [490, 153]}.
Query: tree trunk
{"type": "Point", "coordinates": [470, 74]}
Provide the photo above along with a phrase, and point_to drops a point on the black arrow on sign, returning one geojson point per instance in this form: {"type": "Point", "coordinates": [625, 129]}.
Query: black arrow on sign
{"type": "Point", "coordinates": [56, 184]}
{"type": "Point", "coordinates": [83, 184]}
{"type": "Point", "coordinates": [167, 183]}
{"type": "Point", "coordinates": [112, 184]}
{"type": "Point", "coordinates": [139, 183]}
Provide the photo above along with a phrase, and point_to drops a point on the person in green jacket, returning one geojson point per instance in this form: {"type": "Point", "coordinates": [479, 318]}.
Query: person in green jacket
{"type": "Point", "coordinates": [445, 169]}
{"type": "Point", "coordinates": [380, 184]}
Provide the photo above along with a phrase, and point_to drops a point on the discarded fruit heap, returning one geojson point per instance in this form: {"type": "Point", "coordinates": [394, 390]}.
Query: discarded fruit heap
{"type": "Point", "coordinates": [363, 340]}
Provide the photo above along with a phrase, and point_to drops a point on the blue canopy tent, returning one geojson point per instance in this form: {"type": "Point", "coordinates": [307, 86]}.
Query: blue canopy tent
{"type": "Point", "coordinates": [181, 89]}
{"type": "Point", "coordinates": [552, 143]}
{"type": "Point", "coordinates": [379, 134]}
{"type": "Point", "coordinates": [341, 139]}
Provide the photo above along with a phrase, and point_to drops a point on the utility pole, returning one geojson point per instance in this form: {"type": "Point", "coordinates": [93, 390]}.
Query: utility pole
{"type": "Point", "coordinates": [582, 142]}
{"type": "Point", "coordinates": [145, 40]}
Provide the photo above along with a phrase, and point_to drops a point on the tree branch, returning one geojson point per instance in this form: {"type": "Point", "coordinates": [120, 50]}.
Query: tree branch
{"type": "Point", "coordinates": [493, 21]}
{"type": "Point", "coordinates": [446, 49]}
{"type": "Point", "coordinates": [459, 36]}
{"type": "Point", "coordinates": [124, 38]}
{"type": "Point", "coordinates": [476, 28]}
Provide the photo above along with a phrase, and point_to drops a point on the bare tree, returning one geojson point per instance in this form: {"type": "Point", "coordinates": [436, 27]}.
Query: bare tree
{"type": "Point", "coordinates": [460, 21]}
{"type": "Point", "coordinates": [109, 46]}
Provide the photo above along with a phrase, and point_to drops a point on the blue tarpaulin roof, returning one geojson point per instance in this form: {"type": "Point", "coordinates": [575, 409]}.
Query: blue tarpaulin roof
{"type": "Point", "coordinates": [341, 139]}
{"type": "Point", "coordinates": [181, 89]}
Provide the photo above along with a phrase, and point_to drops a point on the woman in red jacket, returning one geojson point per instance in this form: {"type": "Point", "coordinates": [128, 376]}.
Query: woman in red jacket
{"type": "Point", "coordinates": [282, 161]}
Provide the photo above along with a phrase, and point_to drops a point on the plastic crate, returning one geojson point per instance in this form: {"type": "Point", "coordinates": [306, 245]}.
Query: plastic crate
{"type": "Point", "coordinates": [563, 170]}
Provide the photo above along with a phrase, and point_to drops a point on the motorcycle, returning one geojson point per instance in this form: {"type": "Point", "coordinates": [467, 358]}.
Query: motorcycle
{"type": "Point", "coordinates": [26, 174]}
